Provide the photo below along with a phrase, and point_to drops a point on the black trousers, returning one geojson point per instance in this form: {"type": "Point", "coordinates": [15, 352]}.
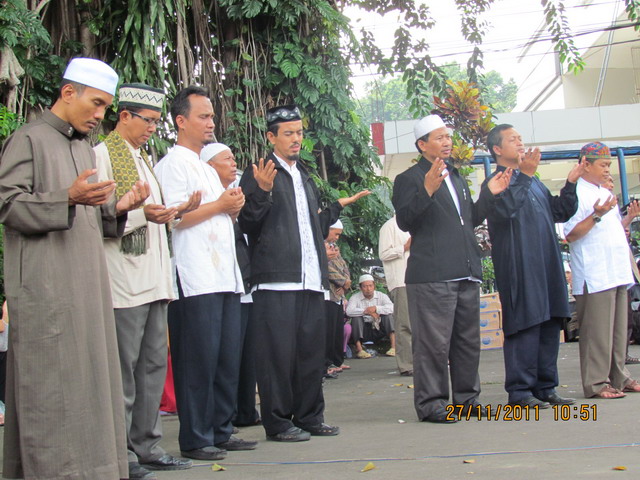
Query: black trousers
{"type": "Point", "coordinates": [531, 360]}
{"type": "Point", "coordinates": [205, 354]}
{"type": "Point", "coordinates": [335, 334]}
{"type": "Point", "coordinates": [290, 328]}
{"type": "Point", "coordinates": [246, 413]}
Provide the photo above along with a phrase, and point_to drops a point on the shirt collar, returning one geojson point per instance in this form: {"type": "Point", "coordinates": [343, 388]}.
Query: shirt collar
{"type": "Point", "coordinates": [184, 151]}
{"type": "Point", "coordinates": [285, 165]}
{"type": "Point", "coordinates": [590, 185]}
{"type": "Point", "coordinates": [60, 125]}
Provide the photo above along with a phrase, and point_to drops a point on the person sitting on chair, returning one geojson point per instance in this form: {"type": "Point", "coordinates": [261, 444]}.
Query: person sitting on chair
{"type": "Point", "coordinates": [374, 309]}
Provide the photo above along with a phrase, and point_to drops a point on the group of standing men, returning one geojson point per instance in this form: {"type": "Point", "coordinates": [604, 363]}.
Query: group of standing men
{"type": "Point", "coordinates": [434, 205]}
{"type": "Point", "coordinates": [89, 284]}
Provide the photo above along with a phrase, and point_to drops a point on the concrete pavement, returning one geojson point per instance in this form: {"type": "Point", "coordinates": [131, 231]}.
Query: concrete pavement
{"type": "Point", "coordinates": [374, 408]}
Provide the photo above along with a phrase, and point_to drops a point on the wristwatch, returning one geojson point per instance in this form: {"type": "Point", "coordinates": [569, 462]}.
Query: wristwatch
{"type": "Point", "coordinates": [596, 218]}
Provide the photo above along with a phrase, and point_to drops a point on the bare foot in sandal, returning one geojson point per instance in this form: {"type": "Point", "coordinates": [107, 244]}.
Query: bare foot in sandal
{"type": "Point", "coordinates": [633, 386]}
{"type": "Point", "coordinates": [608, 392]}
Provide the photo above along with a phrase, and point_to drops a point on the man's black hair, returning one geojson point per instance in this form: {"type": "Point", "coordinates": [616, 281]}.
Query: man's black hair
{"type": "Point", "coordinates": [495, 138]}
{"type": "Point", "coordinates": [275, 128]}
{"type": "Point", "coordinates": [78, 87]}
{"type": "Point", "coordinates": [181, 104]}
{"type": "Point", "coordinates": [424, 138]}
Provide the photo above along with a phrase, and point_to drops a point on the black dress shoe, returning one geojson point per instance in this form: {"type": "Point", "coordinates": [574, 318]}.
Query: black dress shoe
{"type": "Point", "coordinates": [531, 402]}
{"type": "Point", "coordinates": [440, 416]}
{"type": "Point", "coordinates": [167, 462]}
{"type": "Point", "coordinates": [292, 434]}
{"type": "Point", "coordinates": [474, 410]}
{"type": "Point", "coordinates": [321, 430]}
{"type": "Point", "coordinates": [235, 444]}
{"type": "Point", "coordinates": [555, 399]}
{"type": "Point", "coordinates": [205, 453]}
{"type": "Point", "coordinates": [138, 472]}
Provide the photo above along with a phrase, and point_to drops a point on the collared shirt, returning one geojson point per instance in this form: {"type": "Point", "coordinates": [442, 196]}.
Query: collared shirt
{"type": "Point", "coordinates": [452, 191]}
{"type": "Point", "coordinates": [600, 259]}
{"type": "Point", "coordinates": [137, 279]}
{"type": "Point", "coordinates": [358, 303]}
{"type": "Point", "coordinates": [456, 201]}
{"type": "Point", "coordinates": [205, 253]}
{"type": "Point", "coordinates": [392, 253]}
{"type": "Point", "coordinates": [311, 275]}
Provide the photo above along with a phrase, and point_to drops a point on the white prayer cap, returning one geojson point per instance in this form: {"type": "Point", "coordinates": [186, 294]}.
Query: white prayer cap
{"type": "Point", "coordinates": [92, 73]}
{"type": "Point", "coordinates": [364, 278]}
{"type": "Point", "coordinates": [211, 150]}
{"type": "Point", "coordinates": [338, 225]}
{"type": "Point", "coordinates": [427, 125]}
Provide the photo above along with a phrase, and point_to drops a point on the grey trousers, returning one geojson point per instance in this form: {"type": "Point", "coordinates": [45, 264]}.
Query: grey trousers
{"type": "Point", "coordinates": [602, 319]}
{"type": "Point", "coordinates": [404, 355]}
{"type": "Point", "coordinates": [142, 344]}
{"type": "Point", "coordinates": [445, 326]}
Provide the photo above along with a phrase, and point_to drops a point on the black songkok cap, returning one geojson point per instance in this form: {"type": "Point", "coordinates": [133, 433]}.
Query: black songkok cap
{"type": "Point", "coordinates": [283, 113]}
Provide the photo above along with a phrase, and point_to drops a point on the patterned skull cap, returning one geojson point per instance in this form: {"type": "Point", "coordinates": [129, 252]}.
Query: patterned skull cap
{"type": "Point", "coordinates": [595, 150]}
{"type": "Point", "coordinates": [283, 113]}
{"type": "Point", "coordinates": [140, 95]}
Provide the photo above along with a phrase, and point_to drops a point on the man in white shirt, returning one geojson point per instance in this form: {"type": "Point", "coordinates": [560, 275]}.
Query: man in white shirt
{"type": "Point", "coordinates": [141, 277]}
{"type": "Point", "coordinates": [374, 308]}
{"type": "Point", "coordinates": [393, 249]}
{"type": "Point", "coordinates": [204, 323]}
{"type": "Point", "coordinates": [601, 272]}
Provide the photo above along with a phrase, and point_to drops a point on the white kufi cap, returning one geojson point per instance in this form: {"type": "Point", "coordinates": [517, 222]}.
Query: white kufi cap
{"type": "Point", "coordinates": [427, 125]}
{"type": "Point", "coordinates": [92, 73]}
{"type": "Point", "coordinates": [364, 278]}
{"type": "Point", "coordinates": [211, 150]}
{"type": "Point", "coordinates": [338, 225]}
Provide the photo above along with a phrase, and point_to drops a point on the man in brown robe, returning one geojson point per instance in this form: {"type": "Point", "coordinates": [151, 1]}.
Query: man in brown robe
{"type": "Point", "coordinates": [65, 416]}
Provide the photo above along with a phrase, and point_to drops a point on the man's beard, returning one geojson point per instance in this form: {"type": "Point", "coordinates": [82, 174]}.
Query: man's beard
{"type": "Point", "coordinates": [293, 158]}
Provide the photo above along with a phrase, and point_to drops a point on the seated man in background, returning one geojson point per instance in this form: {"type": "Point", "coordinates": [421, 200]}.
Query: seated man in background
{"type": "Point", "coordinates": [374, 308]}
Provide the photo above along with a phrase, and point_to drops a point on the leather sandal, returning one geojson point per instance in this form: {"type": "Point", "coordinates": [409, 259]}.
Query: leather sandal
{"type": "Point", "coordinates": [633, 386]}
{"type": "Point", "coordinates": [608, 392]}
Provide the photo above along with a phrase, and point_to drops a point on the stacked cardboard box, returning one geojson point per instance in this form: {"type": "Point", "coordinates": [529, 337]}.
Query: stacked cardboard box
{"type": "Point", "coordinates": [490, 322]}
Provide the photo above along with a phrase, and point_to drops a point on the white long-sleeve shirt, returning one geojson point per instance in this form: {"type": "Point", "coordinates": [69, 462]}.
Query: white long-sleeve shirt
{"type": "Point", "coordinates": [392, 253]}
{"type": "Point", "coordinates": [358, 303]}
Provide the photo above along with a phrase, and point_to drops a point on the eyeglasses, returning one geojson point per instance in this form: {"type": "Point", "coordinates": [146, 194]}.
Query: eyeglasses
{"type": "Point", "coordinates": [149, 121]}
{"type": "Point", "coordinates": [284, 113]}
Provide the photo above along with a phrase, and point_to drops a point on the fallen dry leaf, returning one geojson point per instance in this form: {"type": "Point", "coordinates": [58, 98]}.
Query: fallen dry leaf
{"type": "Point", "coordinates": [368, 466]}
{"type": "Point", "coordinates": [217, 468]}
{"type": "Point", "coordinates": [398, 384]}
{"type": "Point", "coordinates": [369, 393]}
{"type": "Point", "coordinates": [469, 461]}
{"type": "Point", "coordinates": [620, 467]}
{"type": "Point", "coordinates": [410, 386]}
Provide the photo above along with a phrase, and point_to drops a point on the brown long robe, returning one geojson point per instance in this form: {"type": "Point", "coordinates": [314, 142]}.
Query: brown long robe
{"type": "Point", "coordinates": [65, 409]}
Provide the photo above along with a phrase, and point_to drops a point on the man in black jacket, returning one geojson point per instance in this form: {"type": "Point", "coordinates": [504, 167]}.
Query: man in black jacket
{"type": "Point", "coordinates": [443, 272]}
{"type": "Point", "coordinates": [288, 277]}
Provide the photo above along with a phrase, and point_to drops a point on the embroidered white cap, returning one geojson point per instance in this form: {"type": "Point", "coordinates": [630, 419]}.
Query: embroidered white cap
{"type": "Point", "coordinates": [211, 150]}
{"type": "Point", "coordinates": [427, 125]}
{"type": "Point", "coordinates": [364, 278]}
{"type": "Point", "coordinates": [92, 73]}
{"type": "Point", "coordinates": [338, 225]}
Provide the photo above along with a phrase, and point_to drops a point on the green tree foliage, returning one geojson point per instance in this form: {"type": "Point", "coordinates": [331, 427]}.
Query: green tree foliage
{"type": "Point", "coordinates": [252, 54]}
{"type": "Point", "coordinates": [391, 100]}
